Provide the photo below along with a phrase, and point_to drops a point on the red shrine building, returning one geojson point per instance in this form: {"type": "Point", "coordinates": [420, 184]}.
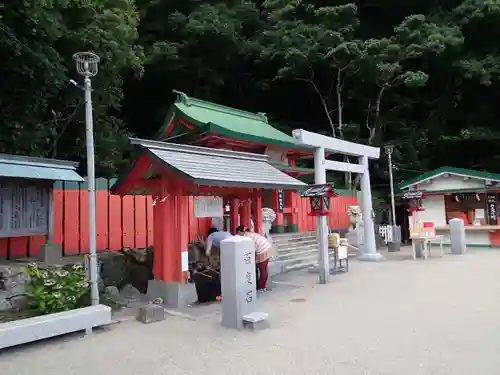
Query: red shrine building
{"type": "Point", "coordinates": [206, 149]}
{"type": "Point", "coordinates": [200, 123]}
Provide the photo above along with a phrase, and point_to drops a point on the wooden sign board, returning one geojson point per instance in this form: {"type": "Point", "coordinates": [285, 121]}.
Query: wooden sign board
{"type": "Point", "coordinates": [208, 207]}
{"type": "Point", "coordinates": [491, 205]}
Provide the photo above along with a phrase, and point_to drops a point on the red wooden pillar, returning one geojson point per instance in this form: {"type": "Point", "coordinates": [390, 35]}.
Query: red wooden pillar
{"type": "Point", "coordinates": [257, 211]}
{"type": "Point", "coordinates": [278, 225]}
{"type": "Point", "coordinates": [293, 203]}
{"type": "Point", "coordinates": [181, 233]}
{"type": "Point", "coordinates": [160, 213]}
{"type": "Point", "coordinates": [246, 213]}
{"type": "Point", "coordinates": [235, 202]}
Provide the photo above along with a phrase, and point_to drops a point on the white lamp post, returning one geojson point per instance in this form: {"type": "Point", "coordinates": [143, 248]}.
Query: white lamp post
{"type": "Point", "coordinates": [389, 149]}
{"type": "Point", "coordinates": [87, 66]}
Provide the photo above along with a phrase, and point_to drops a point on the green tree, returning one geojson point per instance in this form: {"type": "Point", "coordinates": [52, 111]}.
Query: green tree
{"type": "Point", "coordinates": [41, 114]}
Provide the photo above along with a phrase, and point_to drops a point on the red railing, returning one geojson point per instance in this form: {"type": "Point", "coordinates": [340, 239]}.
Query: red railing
{"type": "Point", "coordinates": [128, 221]}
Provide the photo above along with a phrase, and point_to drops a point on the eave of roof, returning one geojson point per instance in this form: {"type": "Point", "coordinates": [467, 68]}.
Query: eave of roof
{"type": "Point", "coordinates": [450, 170]}
{"type": "Point", "coordinates": [213, 167]}
{"type": "Point", "coordinates": [17, 166]}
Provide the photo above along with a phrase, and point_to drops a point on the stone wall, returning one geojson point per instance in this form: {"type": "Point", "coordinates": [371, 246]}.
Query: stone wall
{"type": "Point", "coordinates": [117, 269]}
{"type": "Point", "coordinates": [12, 287]}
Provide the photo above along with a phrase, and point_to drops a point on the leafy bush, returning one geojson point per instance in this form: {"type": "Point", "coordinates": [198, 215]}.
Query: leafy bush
{"type": "Point", "coordinates": [56, 289]}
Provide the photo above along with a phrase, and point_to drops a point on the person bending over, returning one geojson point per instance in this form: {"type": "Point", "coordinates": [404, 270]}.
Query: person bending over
{"type": "Point", "coordinates": [262, 247]}
{"type": "Point", "coordinates": [212, 246]}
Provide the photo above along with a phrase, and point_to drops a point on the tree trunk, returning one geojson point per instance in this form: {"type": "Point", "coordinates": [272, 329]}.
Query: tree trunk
{"type": "Point", "coordinates": [373, 128]}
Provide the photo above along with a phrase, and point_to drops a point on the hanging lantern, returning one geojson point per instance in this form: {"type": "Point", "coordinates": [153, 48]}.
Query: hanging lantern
{"type": "Point", "coordinates": [319, 197]}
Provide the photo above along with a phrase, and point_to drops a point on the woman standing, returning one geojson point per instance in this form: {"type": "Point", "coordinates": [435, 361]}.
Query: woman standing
{"type": "Point", "coordinates": [262, 247]}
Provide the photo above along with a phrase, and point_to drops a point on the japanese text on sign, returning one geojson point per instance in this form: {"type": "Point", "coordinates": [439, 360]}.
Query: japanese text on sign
{"type": "Point", "coordinates": [208, 207]}
{"type": "Point", "coordinates": [249, 296]}
{"type": "Point", "coordinates": [491, 204]}
{"type": "Point", "coordinates": [281, 200]}
{"type": "Point", "coordinates": [248, 258]}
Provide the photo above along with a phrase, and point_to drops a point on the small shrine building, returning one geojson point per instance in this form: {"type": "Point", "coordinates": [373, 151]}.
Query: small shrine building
{"type": "Point", "coordinates": [206, 149]}
{"type": "Point", "coordinates": [201, 123]}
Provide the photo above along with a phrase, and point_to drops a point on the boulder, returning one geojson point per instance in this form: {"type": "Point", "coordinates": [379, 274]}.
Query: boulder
{"type": "Point", "coordinates": [143, 256]}
{"type": "Point", "coordinates": [114, 269]}
{"type": "Point", "coordinates": [5, 305]}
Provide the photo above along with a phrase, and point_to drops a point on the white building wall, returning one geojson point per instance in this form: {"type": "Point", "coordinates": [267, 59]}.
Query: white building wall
{"type": "Point", "coordinates": [434, 211]}
{"type": "Point", "coordinates": [450, 183]}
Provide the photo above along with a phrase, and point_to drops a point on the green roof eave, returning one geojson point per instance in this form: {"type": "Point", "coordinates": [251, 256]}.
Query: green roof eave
{"type": "Point", "coordinates": [451, 170]}
{"type": "Point", "coordinates": [455, 191]}
{"type": "Point", "coordinates": [230, 122]}
{"type": "Point", "coordinates": [222, 130]}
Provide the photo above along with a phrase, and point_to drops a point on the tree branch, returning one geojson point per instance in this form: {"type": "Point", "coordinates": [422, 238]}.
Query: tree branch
{"type": "Point", "coordinates": [323, 102]}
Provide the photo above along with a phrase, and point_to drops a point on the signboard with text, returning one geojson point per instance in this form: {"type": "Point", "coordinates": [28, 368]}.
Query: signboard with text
{"type": "Point", "coordinates": [208, 207]}
{"type": "Point", "coordinates": [281, 200]}
{"type": "Point", "coordinates": [491, 207]}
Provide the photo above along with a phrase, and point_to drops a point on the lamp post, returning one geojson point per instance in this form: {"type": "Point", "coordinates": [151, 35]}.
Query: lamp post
{"type": "Point", "coordinates": [87, 66]}
{"type": "Point", "coordinates": [389, 149]}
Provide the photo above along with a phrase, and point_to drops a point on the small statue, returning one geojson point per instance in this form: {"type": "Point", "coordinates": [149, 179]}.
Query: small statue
{"type": "Point", "coordinates": [355, 216]}
{"type": "Point", "coordinates": [268, 217]}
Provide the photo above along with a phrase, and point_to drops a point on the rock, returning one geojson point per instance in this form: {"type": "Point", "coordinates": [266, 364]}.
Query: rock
{"type": "Point", "coordinates": [114, 269]}
{"type": "Point", "coordinates": [150, 314]}
{"type": "Point", "coordinates": [130, 292]}
{"type": "Point", "coordinates": [112, 291]}
{"type": "Point", "coordinates": [113, 298]}
{"type": "Point", "coordinates": [19, 302]}
{"type": "Point", "coordinates": [5, 305]}
{"type": "Point", "coordinates": [139, 275]}
{"type": "Point", "coordinates": [140, 255]}
{"type": "Point", "coordinates": [157, 301]}
{"type": "Point", "coordinates": [13, 287]}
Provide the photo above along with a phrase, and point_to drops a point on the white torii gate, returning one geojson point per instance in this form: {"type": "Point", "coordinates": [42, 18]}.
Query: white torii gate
{"type": "Point", "coordinates": [322, 143]}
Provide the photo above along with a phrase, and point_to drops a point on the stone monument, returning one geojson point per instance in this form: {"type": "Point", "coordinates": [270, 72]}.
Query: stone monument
{"type": "Point", "coordinates": [238, 285]}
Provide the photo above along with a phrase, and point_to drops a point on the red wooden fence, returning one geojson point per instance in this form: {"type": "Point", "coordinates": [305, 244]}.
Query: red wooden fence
{"type": "Point", "coordinates": [127, 221]}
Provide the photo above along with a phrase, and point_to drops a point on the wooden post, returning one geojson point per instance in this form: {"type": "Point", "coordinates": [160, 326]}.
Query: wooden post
{"type": "Point", "coordinates": [292, 202]}
{"type": "Point", "coordinates": [235, 202]}
{"type": "Point", "coordinates": [257, 210]}
{"type": "Point", "coordinates": [245, 213]}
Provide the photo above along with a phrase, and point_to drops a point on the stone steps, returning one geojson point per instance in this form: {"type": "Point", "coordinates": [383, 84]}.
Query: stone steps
{"type": "Point", "coordinates": [296, 250]}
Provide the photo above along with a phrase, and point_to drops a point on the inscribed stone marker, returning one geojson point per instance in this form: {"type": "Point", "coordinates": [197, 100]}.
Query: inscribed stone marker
{"type": "Point", "coordinates": [238, 282]}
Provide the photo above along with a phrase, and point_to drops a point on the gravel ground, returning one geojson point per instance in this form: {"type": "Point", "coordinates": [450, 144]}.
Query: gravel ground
{"type": "Point", "coordinates": [399, 317]}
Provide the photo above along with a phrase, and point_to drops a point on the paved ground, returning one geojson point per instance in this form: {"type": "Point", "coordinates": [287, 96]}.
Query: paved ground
{"type": "Point", "coordinates": [399, 317]}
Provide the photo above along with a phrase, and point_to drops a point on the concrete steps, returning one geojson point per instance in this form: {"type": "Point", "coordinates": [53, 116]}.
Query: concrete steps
{"type": "Point", "coordinates": [296, 251]}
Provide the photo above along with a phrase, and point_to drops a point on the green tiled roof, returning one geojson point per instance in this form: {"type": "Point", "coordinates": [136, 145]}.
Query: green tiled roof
{"type": "Point", "coordinates": [451, 170]}
{"type": "Point", "coordinates": [230, 122]}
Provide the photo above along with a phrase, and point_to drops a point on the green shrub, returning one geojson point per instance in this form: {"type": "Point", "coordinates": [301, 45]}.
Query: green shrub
{"type": "Point", "coordinates": [56, 289]}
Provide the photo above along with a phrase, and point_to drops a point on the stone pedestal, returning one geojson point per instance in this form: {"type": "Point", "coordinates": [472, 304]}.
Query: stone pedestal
{"type": "Point", "coordinates": [50, 254]}
{"type": "Point", "coordinates": [457, 236]}
{"type": "Point", "coordinates": [174, 295]}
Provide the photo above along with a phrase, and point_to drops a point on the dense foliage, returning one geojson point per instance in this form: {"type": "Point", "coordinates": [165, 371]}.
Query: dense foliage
{"type": "Point", "coordinates": [56, 289]}
{"type": "Point", "coordinates": [423, 75]}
